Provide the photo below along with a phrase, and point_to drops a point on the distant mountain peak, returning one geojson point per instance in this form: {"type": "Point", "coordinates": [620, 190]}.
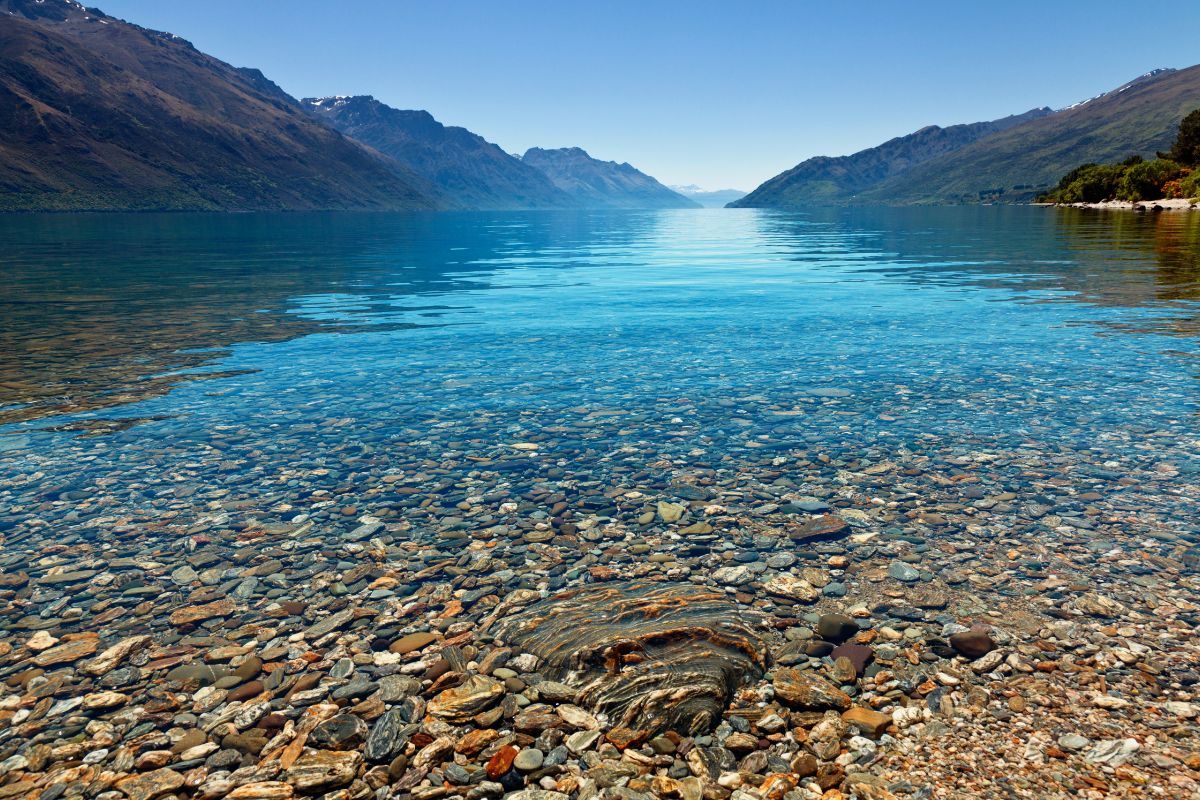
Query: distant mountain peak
{"type": "Point", "coordinates": [1152, 74]}
{"type": "Point", "coordinates": [709, 198]}
{"type": "Point", "coordinates": [470, 169]}
{"type": "Point", "coordinates": [335, 100]}
{"type": "Point", "coordinates": [104, 114]}
{"type": "Point", "coordinates": [603, 184]}
{"type": "Point", "coordinates": [50, 10]}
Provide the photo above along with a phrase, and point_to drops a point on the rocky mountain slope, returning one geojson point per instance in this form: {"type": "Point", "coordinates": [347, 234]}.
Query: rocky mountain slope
{"type": "Point", "coordinates": [602, 184]}
{"type": "Point", "coordinates": [1009, 160]}
{"type": "Point", "coordinates": [1017, 164]}
{"type": "Point", "coordinates": [467, 167]}
{"type": "Point", "coordinates": [100, 114]}
{"type": "Point", "coordinates": [825, 179]}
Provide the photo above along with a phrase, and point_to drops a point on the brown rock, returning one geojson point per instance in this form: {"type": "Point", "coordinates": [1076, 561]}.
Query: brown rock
{"type": "Point", "coordinates": [104, 700]}
{"type": "Point", "coordinates": [113, 656]}
{"type": "Point", "coordinates": [501, 763]}
{"type": "Point", "coordinates": [262, 790]}
{"type": "Point", "coordinates": [870, 722]}
{"type": "Point", "coordinates": [153, 759]}
{"type": "Point", "coordinates": [41, 640]}
{"type": "Point", "coordinates": [826, 526]}
{"type": "Point", "coordinates": [66, 652]}
{"type": "Point", "coordinates": [836, 627]}
{"type": "Point", "coordinates": [191, 738]}
{"type": "Point", "coordinates": [791, 587]}
{"type": "Point", "coordinates": [623, 738]}
{"type": "Point", "coordinates": [859, 655]}
{"type": "Point", "coordinates": [245, 691]}
{"type": "Point", "coordinates": [150, 785]}
{"type": "Point", "coordinates": [804, 765]}
{"type": "Point", "coordinates": [412, 642]}
{"type": "Point", "coordinates": [474, 742]}
{"type": "Point", "coordinates": [464, 701]}
{"type": "Point", "coordinates": [776, 786]}
{"type": "Point", "coordinates": [192, 614]}
{"type": "Point", "coordinates": [807, 691]}
{"type": "Point", "coordinates": [321, 770]}
{"type": "Point", "coordinates": [13, 580]}
{"type": "Point", "coordinates": [250, 742]}
{"type": "Point", "coordinates": [652, 656]}
{"type": "Point", "coordinates": [973, 644]}
{"type": "Point", "coordinates": [741, 743]}
{"type": "Point", "coordinates": [829, 776]}
{"type": "Point", "coordinates": [843, 671]}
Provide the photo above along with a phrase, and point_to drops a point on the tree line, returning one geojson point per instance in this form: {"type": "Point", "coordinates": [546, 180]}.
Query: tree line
{"type": "Point", "coordinates": [1175, 173]}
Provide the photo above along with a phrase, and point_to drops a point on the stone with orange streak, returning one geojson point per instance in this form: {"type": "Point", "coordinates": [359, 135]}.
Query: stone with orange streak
{"type": "Point", "coordinates": [462, 638]}
{"type": "Point", "coordinates": [624, 738]}
{"type": "Point", "coordinates": [383, 582]}
{"type": "Point", "coordinates": [311, 718]}
{"type": "Point", "coordinates": [776, 786]}
{"type": "Point", "coordinates": [567, 784]}
{"type": "Point", "coordinates": [476, 741]}
{"type": "Point", "coordinates": [663, 786]}
{"type": "Point", "coordinates": [452, 609]}
{"type": "Point", "coordinates": [501, 763]}
{"type": "Point", "coordinates": [460, 703]}
{"type": "Point", "coordinates": [865, 637]}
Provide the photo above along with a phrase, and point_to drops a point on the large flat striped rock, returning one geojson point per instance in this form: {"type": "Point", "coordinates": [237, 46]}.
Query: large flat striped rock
{"type": "Point", "coordinates": [652, 657]}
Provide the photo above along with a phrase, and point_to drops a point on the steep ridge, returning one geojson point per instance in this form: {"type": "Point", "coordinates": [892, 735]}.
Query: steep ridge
{"type": "Point", "coordinates": [1017, 164]}
{"type": "Point", "coordinates": [825, 179]}
{"type": "Point", "coordinates": [100, 114]}
{"type": "Point", "coordinates": [470, 169]}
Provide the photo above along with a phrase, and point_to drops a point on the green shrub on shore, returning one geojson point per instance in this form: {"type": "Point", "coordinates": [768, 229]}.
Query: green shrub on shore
{"type": "Point", "coordinates": [1175, 173]}
{"type": "Point", "coordinates": [1146, 180]}
{"type": "Point", "coordinates": [1090, 183]}
{"type": "Point", "coordinates": [1189, 186]}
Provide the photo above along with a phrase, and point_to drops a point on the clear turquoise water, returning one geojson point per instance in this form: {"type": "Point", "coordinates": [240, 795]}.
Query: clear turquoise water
{"type": "Point", "coordinates": [691, 336]}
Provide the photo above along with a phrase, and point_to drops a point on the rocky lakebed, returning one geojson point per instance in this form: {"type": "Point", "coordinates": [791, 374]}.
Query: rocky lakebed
{"type": "Point", "coordinates": [420, 627]}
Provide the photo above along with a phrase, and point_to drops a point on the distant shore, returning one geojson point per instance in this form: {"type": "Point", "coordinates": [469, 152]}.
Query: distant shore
{"type": "Point", "coordinates": [1175, 204]}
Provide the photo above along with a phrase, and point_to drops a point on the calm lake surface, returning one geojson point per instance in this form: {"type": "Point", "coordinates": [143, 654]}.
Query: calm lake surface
{"type": "Point", "coordinates": [999, 322]}
{"type": "Point", "coordinates": [258, 359]}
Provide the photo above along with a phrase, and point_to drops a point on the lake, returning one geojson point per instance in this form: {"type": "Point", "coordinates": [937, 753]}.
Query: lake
{"type": "Point", "coordinates": [222, 429]}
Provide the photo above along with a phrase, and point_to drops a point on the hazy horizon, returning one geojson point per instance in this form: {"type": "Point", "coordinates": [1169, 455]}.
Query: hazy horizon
{"type": "Point", "coordinates": [695, 93]}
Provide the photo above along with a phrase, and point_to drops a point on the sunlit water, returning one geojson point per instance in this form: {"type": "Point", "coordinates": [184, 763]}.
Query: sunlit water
{"type": "Point", "coordinates": [167, 362]}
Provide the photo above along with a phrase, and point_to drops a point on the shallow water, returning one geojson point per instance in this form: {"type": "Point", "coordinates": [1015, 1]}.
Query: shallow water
{"type": "Point", "coordinates": [155, 362]}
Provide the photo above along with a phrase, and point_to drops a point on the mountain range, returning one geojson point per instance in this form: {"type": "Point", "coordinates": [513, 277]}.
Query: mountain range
{"type": "Point", "coordinates": [1009, 160]}
{"type": "Point", "coordinates": [464, 165]}
{"type": "Point", "coordinates": [826, 179]}
{"type": "Point", "coordinates": [100, 114]}
{"type": "Point", "coordinates": [602, 184]}
{"type": "Point", "coordinates": [717, 198]}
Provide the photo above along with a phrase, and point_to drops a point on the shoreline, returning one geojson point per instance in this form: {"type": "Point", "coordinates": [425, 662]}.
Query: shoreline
{"type": "Point", "coordinates": [1174, 204]}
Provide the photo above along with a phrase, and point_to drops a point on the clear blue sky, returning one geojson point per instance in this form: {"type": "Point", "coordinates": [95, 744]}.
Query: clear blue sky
{"type": "Point", "coordinates": [721, 94]}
